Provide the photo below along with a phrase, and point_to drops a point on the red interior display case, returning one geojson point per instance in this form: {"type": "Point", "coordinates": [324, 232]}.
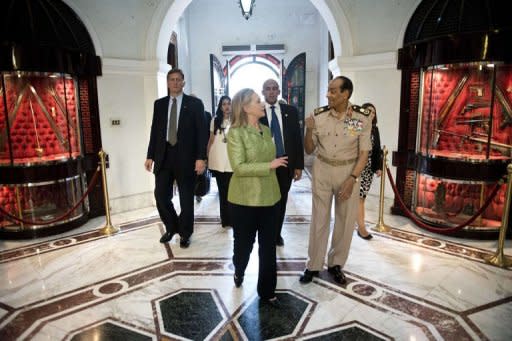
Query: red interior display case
{"type": "Point", "coordinates": [40, 131]}
{"type": "Point", "coordinates": [50, 132]}
{"type": "Point", "coordinates": [455, 115]}
{"type": "Point", "coordinates": [464, 142]}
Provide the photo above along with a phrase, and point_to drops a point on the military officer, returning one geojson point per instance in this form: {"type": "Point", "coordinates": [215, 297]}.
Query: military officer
{"type": "Point", "coordinates": [342, 140]}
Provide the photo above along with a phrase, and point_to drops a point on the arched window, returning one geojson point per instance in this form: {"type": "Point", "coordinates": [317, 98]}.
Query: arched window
{"type": "Point", "coordinates": [251, 71]}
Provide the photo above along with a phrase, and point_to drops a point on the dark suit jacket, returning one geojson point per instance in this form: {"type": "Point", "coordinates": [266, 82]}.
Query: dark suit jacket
{"type": "Point", "coordinates": [208, 117]}
{"type": "Point", "coordinates": [192, 133]}
{"type": "Point", "coordinates": [292, 138]}
{"type": "Point", "coordinates": [376, 153]}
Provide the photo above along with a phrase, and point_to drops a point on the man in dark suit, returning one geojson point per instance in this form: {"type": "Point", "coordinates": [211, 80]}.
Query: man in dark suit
{"type": "Point", "coordinates": [283, 120]}
{"type": "Point", "coordinates": [177, 151]}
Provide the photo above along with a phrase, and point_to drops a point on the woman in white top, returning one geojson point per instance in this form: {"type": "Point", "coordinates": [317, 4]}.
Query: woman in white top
{"type": "Point", "coordinates": [218, 161]}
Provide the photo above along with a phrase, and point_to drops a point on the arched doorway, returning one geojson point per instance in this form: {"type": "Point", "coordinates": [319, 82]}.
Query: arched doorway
{"type": "Point", "coordinates": [169, 12]}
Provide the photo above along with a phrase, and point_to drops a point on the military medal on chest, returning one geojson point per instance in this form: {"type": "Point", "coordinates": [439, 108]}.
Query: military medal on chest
{"type": "Point", "coordinates": [353, 126]}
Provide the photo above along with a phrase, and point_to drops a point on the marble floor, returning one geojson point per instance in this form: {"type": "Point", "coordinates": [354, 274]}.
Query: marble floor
{"type": "Point", "coordinates": [407, 284]}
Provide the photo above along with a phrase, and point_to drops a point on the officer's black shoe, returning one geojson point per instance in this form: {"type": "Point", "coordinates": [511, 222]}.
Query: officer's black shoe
{"type": "Point", "coordinates": [307, 277]}
{"type": "Point", "coordinates": [338, 275]}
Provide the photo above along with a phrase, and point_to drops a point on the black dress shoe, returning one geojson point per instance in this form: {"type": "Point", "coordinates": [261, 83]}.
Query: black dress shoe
{"type": "Point", "coordinates": [238, 280]}
{"type": "Point", "coordinates": [184, 243]}
{"type": "Point", "coordinates": [367, 237]}
{"type": "Point", "coordinates": [167, 236]}
{"type": "Point", "coordinates": [339, 276]}
{"type": "Point", "coordinates": [307, 277]}
{"type": "Point", "coordinates": [280, 241]}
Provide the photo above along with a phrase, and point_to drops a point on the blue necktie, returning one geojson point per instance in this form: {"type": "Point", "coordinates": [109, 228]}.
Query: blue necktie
{"type": "Point", "coordinates": [276, 133]}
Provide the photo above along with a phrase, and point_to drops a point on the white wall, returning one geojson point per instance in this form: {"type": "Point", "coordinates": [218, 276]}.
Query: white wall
{"type": "Point", "coordinates": [372, 86]}
{"type": "Point", "coordinates": [376, 25]}
{"type": "Point", "coordinates": [126, 91]}
{"type": "Point", "coordinates": [121, 25]}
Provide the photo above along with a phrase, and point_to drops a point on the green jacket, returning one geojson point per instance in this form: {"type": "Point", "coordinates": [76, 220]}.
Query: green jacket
{"type": "Point", "coordinates": [253, 183]}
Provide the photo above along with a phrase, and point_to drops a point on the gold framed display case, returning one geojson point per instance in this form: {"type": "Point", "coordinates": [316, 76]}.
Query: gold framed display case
{"type": "Point", "coordinates": [38, 118]}
{"type": "Point", "coordinates": [43, 202]}
{"type": "Point", "coordinates": [466, 112]}
{"type": "Point", "coordinates": [448, 202]}
{"type": "Point", "coordinates": [41, 159]}
{"type": "Point", "coordinates": [464, 143]}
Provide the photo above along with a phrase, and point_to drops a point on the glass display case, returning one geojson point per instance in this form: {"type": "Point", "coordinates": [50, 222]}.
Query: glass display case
{"type": "Point", "coordinates": [50, 131]}
{"type": "Point", "coordinates": [41, 125]}
{"type": "Point", "coordinates": [464, 142]}
{"type": "Point", "coordinates": [40, 148]}
{"type": "Point", "coordinates": [448, 202]}
{"type": "Point", "coordinates": [43, 202]}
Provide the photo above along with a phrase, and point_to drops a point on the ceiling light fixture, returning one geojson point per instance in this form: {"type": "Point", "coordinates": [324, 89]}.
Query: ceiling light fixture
{"type": "Point", "coordinates": [246, 6]}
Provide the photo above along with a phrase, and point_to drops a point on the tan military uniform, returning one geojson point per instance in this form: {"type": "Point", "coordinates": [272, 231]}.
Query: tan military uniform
{"type": "Point", "coordinates": [338, 143]}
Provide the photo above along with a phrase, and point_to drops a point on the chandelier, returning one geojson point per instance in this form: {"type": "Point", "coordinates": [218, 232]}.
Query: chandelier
{"type": "Point", "coordinates": [246, 6]}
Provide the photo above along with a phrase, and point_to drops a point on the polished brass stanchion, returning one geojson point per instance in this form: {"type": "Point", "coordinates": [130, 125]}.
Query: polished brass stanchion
{"type": "Point", "coordinates": [499, 258]}
{"type": "Point", "coordinates": [380, 226]}
{"type": "Point", "coordinates": [108, 228]}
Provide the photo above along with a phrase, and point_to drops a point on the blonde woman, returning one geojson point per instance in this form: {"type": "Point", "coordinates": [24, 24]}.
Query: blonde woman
{"type": "Point", "coordinates": [253, 191]}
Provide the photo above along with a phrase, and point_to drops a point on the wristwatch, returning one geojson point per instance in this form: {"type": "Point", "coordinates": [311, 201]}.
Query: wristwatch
{"type": "Point", "coordinates": [355, 177]}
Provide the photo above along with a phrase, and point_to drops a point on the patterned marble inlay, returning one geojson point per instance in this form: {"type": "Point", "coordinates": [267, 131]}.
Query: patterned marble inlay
{"type": "Point", "coordinates": [112, 332]}
{"type": "Point", "coordinates": [431, 242]}
{"type": "Point", "coordinates": [190, 314]}
{"type": "Point", "coordinates": [227, 337]}
{"type": "Point", "coordinates": [363, 289]}
{"type": "Point", "coordinates": [263, 321]}
{"type": "Point", "coordinates": [402, 285]}
{"type": "Point", "coordinates": [347, 333]}
{"type": "Point", "coordinates": [63, 242]}
{"type": "Point", "coordinates": [110, 288]}
{"type": "Point", "coordinates": [78, 239]}
{"type": "Point", "coordinates": [444, 246]}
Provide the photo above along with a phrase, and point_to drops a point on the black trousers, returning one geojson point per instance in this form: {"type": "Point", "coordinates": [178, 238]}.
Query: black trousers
{"type": "Point", "coordinates": [247, 221]}
{"type": "Point", "coordinates": [285, 182]}
{"type": "Point", "coordinates": [223, 185]}
{"type": "Point", "coordinates": [164, 179]}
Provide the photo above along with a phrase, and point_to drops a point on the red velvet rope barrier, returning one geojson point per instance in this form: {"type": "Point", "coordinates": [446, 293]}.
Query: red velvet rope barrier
{"type": "Point", "coordinates": [48, 222]}
{"type": "Point", "coordinates": [441, 230]}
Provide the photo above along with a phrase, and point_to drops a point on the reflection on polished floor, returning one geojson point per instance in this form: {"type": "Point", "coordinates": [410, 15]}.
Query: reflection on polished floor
{"type": "Point", "coordinates": [404, 285]}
